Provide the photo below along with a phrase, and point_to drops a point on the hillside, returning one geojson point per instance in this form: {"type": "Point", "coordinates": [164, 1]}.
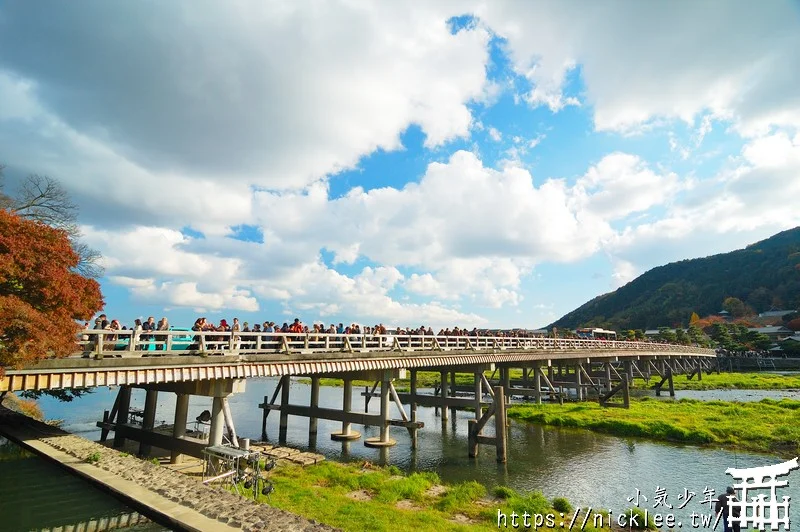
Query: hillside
{"type": "Point", "coordinates": [762, 275]}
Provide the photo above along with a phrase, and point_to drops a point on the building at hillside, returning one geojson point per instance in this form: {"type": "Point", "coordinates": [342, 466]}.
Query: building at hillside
{"type": "Point", "coordinates": [775, 332]}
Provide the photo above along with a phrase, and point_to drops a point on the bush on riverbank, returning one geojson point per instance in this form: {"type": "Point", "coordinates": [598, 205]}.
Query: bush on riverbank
{"type": "Point", "coordinates": [366, 497]}
{"type": "Point", "coordinates": [765, 426]}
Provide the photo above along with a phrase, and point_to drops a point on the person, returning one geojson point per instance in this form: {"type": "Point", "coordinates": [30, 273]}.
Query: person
{"type": "Point", "coordinates": [723, 505]}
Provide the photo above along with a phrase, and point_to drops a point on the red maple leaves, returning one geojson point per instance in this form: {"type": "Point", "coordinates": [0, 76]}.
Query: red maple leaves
{"type": "Point", "coordinates": [41, 295]}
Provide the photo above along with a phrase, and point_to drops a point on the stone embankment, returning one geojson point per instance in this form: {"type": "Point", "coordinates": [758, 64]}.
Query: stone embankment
{"type": "Point", "coordinates": [227, 510]}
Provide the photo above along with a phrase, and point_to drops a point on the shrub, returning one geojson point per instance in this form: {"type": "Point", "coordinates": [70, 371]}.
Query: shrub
{"type": "Point", "coordinates": [503, 492]}
{"type": "Point", "coordinates": [562, 505]}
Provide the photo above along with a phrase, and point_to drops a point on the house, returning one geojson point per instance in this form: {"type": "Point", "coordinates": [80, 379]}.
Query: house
{"type": "Point", "coordinates": [775, 332]}
{"type": "Point", "coordinates": [773, 313]}
{"type": "Point", "coordinates": [725, 314]}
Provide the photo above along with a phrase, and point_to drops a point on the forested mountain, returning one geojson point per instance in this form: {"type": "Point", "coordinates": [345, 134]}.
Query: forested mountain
{"type": "Point", "coordinates": [762, 275]}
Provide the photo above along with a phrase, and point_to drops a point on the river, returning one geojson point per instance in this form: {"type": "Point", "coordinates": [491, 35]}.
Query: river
{"type": "Point", "coordinates": [35, 494]}
{"type": "Point", "coordinates": [586, 467]}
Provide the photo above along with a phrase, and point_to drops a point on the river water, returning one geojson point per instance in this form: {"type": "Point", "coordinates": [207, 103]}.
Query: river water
{"type": "Point", "coordinates": [35, 494]}
{"type": "Point", "coordinates": [586, 467]}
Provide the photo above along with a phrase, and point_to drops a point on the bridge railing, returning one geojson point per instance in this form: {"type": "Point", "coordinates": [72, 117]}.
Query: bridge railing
{"type": "Point", "coordinates": [129, 343]}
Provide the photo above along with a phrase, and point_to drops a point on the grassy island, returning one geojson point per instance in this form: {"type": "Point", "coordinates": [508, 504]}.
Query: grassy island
{"type": "Point", "coordinates": [764, 426]}
{"type": "Point", "coordinates": [741, 381]}
{"type": "Point", "coordinates": [367, 497]}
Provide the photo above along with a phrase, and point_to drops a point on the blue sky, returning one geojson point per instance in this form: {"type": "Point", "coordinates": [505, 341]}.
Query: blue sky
{"type": "Point", "coordinates": [480, 164]}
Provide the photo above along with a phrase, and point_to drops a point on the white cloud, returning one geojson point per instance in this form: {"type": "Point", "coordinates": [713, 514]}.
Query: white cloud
{"type": "Point", "coordinates": [230, 99]}
{"type": "Point", "coordinates": [736, 59]}
{"type": "Point", "coordinates": [743, 204]}
{"type": "Point", "coordinates": [624, 272]}
{"type": "Point", "coordinates": [622, 184]}
{"type": "Point", "coordinates": [495, 134]}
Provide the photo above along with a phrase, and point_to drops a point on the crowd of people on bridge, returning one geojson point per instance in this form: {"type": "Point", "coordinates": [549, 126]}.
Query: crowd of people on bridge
{"type": "Point", "coordinates": [202, 324]}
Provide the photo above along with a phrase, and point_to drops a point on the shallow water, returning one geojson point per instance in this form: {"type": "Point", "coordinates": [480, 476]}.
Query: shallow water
{"type": "Point", "coordinates": [586, 467]}
{"type": "Point", "coordinates": [36, 494]}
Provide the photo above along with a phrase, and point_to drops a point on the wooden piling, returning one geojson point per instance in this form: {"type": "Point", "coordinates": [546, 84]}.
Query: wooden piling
{"type": "Point", "coordinates": [122, 414]}
{"type": "Point", "coordinates": [284, 421]}
{"type": "Point", "coordinates": [413, 408]}
{"type": "Point", "coordinates": [312, 420]}
{"type": "Point", "coordinates": [149, 418]}
{"type": "Point", "coordinates": [500, 425]}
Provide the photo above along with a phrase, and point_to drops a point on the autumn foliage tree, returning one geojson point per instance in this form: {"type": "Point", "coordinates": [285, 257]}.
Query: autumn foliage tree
{"type": "Point", "coordinates": [41, 293]}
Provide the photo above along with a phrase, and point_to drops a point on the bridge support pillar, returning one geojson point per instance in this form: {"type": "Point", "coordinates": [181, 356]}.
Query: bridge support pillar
{"type": "Point", "coordinates": [347, 433]}
{"type": "Point", "coordinates": [505, 379]}
{"type": "Point", "coordinates": [607, 367]}
{"type": "Point", "coordinates": [123, 413]}
{"type": "Point", "coordinates": [413, 408]}
{"type": "Point", "coordinates": [149, 418]}
{"type": "Point", "coordinates": [179, 428]}
{"type": "Point", "coordinates": [312, 421]}
{"type": "Point", "coordinates": [500, 439]}
{"type": "Point", "coordinates": [578, 383]}
{"type": "Point", "coordinates": [445, 394]}
{"type": "Point", "coordinates": [384, 440]}
{"type": "Point", "coordinates": [628, 365]}
{"type": "Point", "coordinates": [479, 394]}
{"type": "Point", "coordinates": [217, 422]}
{"type": "Point", "coordinates": [452, 390]}
{"type": "Point", "coordinates": [284, 421]}
{"type": "Point", "coordinates": [537, 383]}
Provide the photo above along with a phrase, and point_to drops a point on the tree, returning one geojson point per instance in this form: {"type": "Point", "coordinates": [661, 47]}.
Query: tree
{"type": "Point", "coordinates": [694, 319]}
{"type": "Point", "coordinates": [735, 306]}
{"type": "Point", "coordinates": [794, 324]}
{"type": "Point", "coordinates": [760, 299]}
{"type": "Point", "coordinates": [697, 336]}
{"type": "Point", "coordinates": [44, 200]}
{"type": "Point", "coordinates": [667, 334]}
{"type": "Point", "coordinates": [41, 293]}
{"type": "Point", "coordinates": [681, 337]}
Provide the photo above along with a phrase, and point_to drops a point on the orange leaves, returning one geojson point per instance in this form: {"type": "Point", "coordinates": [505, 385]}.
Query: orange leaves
{"type": "Point", "coordinates": [40, 294]}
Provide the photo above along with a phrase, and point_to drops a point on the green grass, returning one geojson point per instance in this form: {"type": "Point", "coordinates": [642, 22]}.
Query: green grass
{"type": "Point", "coordinates": [356, 498]}
{"type": "Point", "coordinates": [743, 381]}
{"type": "Point", "coordinates": [765, 426]}
{"type": "Point", "coordinates": [93, 458]}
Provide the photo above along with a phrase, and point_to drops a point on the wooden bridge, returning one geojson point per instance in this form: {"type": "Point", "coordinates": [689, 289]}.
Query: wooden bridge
{"type": "Point", "coordinates": [216, 364]}
{"type": "Point", "coordinates": [115, 358]}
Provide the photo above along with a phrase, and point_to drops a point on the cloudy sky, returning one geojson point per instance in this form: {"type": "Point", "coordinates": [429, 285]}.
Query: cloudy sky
{"type": "Point", "coordinates": [479, 163]}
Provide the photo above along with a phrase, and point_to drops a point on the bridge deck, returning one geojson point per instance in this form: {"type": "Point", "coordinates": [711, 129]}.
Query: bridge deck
{"type": "Point", "coordinates": [125, 357]}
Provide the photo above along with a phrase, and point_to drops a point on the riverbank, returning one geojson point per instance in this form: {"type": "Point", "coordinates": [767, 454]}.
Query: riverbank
{"type": "Point", "coordinates": [367, 497]}
{"type": "Point", "coordinates": [766, 426]}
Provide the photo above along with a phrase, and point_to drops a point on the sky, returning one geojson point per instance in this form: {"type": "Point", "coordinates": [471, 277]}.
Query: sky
{"type": "Point", "coordinates": [474, 163]}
